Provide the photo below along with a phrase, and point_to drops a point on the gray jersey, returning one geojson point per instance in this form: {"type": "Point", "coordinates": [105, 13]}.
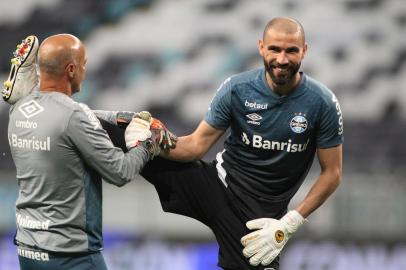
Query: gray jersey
{"type": "Point", "coordinates": [61, 153]}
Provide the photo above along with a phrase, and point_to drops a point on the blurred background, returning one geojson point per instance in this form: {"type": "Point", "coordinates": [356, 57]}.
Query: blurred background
{"type": "Point", "coordinates": [169, 57]}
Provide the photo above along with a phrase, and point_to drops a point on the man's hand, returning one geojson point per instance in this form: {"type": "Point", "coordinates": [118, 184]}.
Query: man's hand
{"type": "Point", "coordinates": [138, 133]}
{"type": "Point", "coordinates": [265, 244]}
{"type": "Point", "coordinates": [168, 141]}
{"type": "Point", "coordinates": [168, 138]}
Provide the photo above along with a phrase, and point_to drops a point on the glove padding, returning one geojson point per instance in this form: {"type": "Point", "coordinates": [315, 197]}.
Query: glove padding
{"type": "Point", "coordinates": [138, 133]}
{"type": "Point", "coordinates": [264, 245]}
{"type": "Point", "coordinates": [168, 140]}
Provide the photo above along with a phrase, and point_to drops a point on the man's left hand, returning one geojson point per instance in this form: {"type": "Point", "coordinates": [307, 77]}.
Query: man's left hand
{"type": "Point", "coordinates": [264, 245]}
{"type": "Point", "coordinates": [168, 138]}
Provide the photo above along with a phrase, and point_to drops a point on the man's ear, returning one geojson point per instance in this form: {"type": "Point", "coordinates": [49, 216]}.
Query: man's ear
{"type": "Point", "coordinates": [261, 47]}
{"type": "Point", "coordinates": [305, 47]}
{"type": "Point", "coordinates": [70, 69]}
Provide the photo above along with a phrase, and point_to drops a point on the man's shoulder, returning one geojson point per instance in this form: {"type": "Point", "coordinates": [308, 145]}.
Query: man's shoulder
{"type": "Point", "coordinates": [246, 77]}
{"type": "Point", "coordinates": [67, 104]}
{"type": "Point", "coordinates": [318, 90]}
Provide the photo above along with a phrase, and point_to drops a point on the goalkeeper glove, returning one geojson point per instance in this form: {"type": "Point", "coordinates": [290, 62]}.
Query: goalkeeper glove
{"type": "Point", "coordinates": [169, 139]}
{"type": "Point", "coordinates": [265, 244]}
{"type": "Point", "coordinates": [138, 133]}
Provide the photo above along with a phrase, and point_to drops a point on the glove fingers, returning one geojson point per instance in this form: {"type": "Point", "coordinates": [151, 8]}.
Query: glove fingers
{"type": "Point", "coordinates": [268, 258]}
{"type": "Point", "coordinates": [257, 258]}
{"type": "Point", "coordinates": [253, 248]}
{"type": "Point", "coordinates": [164, 141]}
{"type": "Point", "coordinates": [257, 223]}
{"type": "Point", "coordinates": [141, 122]}
{"type": "Point", "coordinates": [168, 140]}
{"type": "Point", "coordinates": [144, 115]}
{"type": "Point", "coordinates": [161, 136]}
{"type": "Point", "coordinates": [173, 139]}
{"type": "Point", "coordinates": [247, 239]}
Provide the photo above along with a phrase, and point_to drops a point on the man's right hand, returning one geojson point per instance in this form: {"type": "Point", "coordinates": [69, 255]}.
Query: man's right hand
{"type": "Point", "coordinates": [138, 133]}
{"type": "Point", "coordinates": [168, 141]}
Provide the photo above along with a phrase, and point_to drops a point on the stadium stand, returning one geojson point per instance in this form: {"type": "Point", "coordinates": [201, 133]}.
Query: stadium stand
{"type": "Point", "coordinates": [170, 56]}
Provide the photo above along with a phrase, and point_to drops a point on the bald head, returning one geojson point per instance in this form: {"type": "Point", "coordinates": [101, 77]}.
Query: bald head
{"type": "Point", "coordinates": [57, 51]}
{"type": "Point", "coordinates": [285, 25]}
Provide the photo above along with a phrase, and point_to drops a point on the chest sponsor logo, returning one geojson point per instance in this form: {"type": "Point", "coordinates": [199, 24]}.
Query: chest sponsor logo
{"type": "Point", "coordinates": [259, 142]}
{"type": "Point", "coordinates": [31, 143]}
{"type": "Point", "coordinates": [254, 119]}
{"type": "Point", "coordinates": [30, 109]}
{"type": "Point", "coordinates": [298, 123]}
{"type": "Point", "coordinates": [256, 105]}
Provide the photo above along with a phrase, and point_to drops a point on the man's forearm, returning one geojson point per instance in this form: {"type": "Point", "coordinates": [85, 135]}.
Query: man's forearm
{"type": "Point", "coordinates": [325, 185]}
{"type": "Point", "coordinates": [186, 150]}
{"type": "Point", "coordinates": [108, 116]}
{"type": "Point", "coordinates": [117, 118]}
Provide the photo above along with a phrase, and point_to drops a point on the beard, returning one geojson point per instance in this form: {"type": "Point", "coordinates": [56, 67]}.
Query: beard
{"type": "Point", "coordinates": [282, 74]}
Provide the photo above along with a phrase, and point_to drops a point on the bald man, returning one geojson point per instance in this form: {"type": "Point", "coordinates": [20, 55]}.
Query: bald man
{"type": "Point", "coordinates": [279, 118]}
{"type": "Point", "coordinates": [61, 154]}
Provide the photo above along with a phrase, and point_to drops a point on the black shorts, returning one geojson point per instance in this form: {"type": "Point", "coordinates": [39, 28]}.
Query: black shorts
{"type": "Point", "coordinates": [194, 190]}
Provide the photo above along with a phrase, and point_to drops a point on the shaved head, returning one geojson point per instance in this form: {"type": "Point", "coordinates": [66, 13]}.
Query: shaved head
{"type": "Point", "coordinates": [62, 64]}
{"type": "Point", "coordinates": [283, 48]}
{"type": "Point", "coordinates": [56, 52]}
{"type": "Point", "coordinates": [285, 25]}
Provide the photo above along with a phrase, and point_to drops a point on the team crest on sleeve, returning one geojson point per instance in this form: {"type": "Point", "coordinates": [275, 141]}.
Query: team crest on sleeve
{"type": "Point", "coordinates": [298, 123]}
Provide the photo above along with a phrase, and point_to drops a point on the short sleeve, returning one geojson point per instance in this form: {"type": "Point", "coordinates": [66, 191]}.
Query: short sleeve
{"type": "Point", "coordinates": [331, 132]}
{"type": "Point", "coordinates": [219, 113]}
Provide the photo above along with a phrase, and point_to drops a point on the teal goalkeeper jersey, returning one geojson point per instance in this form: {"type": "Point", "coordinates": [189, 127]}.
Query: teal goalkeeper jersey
{"type": "Point", "coordinates": [273, 139]}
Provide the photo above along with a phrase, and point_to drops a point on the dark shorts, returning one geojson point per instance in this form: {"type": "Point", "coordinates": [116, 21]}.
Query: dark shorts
{"type": "Point", "coordinates": [41, 260]}
{"type": "Point", "coordinates": [194, 190]}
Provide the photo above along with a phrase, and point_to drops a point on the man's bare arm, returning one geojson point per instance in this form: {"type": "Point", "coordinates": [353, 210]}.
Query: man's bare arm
{"type": "Point", "coordinates": [194, 146]}
{"type": "Point", "coordinates": [331, 167]}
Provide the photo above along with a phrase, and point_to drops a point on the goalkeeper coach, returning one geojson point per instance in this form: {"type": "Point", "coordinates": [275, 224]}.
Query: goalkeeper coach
{"type": "Point", "coordinates": [61, 154]}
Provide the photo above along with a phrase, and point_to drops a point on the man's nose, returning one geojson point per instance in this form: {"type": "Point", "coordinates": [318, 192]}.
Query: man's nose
{"type": "Point", "coordinates": [282, 59]}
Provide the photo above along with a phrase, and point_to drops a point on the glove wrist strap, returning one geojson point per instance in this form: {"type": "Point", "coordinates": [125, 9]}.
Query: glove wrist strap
{"type": "Point", "coordinates": [293, 221]}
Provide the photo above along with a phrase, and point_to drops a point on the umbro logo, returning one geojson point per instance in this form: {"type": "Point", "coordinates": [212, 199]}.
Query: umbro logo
{"type": "Point", "coordinates": [30, 108]}
{"type": "Point", "coordinates": [254, 118]}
